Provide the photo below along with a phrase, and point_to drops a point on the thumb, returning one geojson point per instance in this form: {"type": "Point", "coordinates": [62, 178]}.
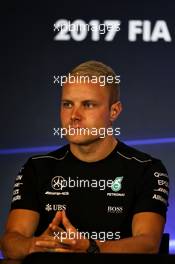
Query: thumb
{"type": "Point", "coordinates": [57, 219]}
{"type": "Point", "coordinates": [54, 225]}
{"type": "Point", "coordinates": [67, 224]}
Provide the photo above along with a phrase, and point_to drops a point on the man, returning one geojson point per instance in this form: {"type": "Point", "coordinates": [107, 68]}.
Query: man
{"type": "Point", "coordinates": [59, 202]}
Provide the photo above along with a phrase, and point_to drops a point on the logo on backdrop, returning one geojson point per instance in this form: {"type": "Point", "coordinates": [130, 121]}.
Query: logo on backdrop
{"type": "Point", "coordinates": [109, 30]}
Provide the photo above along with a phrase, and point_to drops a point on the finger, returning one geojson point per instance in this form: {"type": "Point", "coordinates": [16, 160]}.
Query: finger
{"type": "Point", "coordinates": [46, 243]}
{"type": "Point", "coordinates": [48, 249]}
{"type": "Point", "coordinates": [66, 241]}
{"type": "Point", "coordinates": [54, 225]}
{"type": "Point", "coordinates": [63, 250]}
{"type": "Point", "coordinates": [38, 249]}
{"type": "Point", "coordinates": [45, 238]}
{"type": "Point", "coordinates": [57, 219]}
{"type": "Point", "coordinates": [55, 228]}
{"type": "Point", "coordinates": [55, 242]}
{"type": "Point", "coordinates": [64, 238]}
{"type": "Point", "coordinates": [52, 228]}
{"type": "Point", "coordinates": [67, 224]}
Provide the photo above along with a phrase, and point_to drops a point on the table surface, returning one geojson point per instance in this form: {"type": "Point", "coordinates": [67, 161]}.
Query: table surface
{"type": "Point", "coordinates": [93, 258]}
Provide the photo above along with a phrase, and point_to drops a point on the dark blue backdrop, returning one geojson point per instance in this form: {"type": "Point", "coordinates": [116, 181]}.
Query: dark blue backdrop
{"type": "Point", "coordinates": [30, 57]}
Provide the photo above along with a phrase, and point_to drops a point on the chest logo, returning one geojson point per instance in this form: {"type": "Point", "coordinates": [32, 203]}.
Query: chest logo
{"type": "Point", "coordinates": [57, 183]}
{"type": "Point", "coordinates": [117, 184]}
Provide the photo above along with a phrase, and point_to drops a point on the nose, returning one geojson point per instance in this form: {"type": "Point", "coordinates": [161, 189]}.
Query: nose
{"type": "Point", "coordinates": [76, 114]}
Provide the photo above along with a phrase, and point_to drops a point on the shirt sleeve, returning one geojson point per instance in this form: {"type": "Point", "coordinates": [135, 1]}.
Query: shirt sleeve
{"type": "Point", "coordinates": [153, 190]}
{"type": "Point", "coordinates": [25, 195]}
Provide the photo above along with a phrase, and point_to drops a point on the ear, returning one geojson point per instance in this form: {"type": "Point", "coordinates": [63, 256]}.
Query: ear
{"type": "Point", "coordinates": [116, 109]}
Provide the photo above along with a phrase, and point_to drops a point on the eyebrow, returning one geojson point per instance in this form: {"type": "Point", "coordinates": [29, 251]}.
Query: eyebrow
{"type": "Point", "coordinates": [84, 101]}
{"type": "Point", "coordinates": [66, 100]}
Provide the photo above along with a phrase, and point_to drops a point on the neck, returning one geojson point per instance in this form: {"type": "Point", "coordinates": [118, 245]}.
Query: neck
{"type": "Point", "coordinates": [94, 151]}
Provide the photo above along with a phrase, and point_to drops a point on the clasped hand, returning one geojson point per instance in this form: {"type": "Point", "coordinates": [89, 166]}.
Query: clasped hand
{"type": "Point", "coordinates": [56, 239]}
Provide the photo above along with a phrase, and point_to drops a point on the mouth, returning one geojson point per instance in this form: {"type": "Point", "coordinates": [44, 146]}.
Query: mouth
{"type": "Point", "coordinates": [75, 126]}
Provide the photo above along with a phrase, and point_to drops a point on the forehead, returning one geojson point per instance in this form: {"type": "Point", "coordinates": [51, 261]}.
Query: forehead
{"type": "Point", "coordinates": [84, 91]}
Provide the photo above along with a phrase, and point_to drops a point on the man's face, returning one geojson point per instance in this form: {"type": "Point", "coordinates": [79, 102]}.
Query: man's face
{"type": "Point", "coordinates": [84, 106]}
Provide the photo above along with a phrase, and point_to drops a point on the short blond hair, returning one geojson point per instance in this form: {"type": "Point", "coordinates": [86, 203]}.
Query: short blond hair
{"type": "Point", "coordinates": [97, 68]}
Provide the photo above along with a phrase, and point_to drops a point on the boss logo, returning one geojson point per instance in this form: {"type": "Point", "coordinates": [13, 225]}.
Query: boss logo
{"type": "Point", "coordinates": [115, 209]}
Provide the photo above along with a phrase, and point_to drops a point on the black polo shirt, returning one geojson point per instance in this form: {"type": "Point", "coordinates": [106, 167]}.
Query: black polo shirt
{"type": "Point", "coordinates": [99, 196]}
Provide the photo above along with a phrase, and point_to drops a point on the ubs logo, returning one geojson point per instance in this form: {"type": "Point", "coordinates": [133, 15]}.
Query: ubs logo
{"type": "Point", "coordinates": [55, 207]}
{"type": "Point", "coordinates": [57, 183]}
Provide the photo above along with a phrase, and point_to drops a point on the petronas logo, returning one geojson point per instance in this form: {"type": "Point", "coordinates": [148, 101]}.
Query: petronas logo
{"type": "Point", "coordinates": [116, 186]}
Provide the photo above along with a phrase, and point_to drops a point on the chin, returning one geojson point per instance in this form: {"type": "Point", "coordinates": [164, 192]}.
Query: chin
{"type": "Point", "coordinates": [81, 140]}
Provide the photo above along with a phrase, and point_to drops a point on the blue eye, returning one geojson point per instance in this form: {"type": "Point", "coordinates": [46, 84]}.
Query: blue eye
{"type": "Point", "coordinates": [89, 105]}
{"type": "Point", "coordinates": [66, 104]}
